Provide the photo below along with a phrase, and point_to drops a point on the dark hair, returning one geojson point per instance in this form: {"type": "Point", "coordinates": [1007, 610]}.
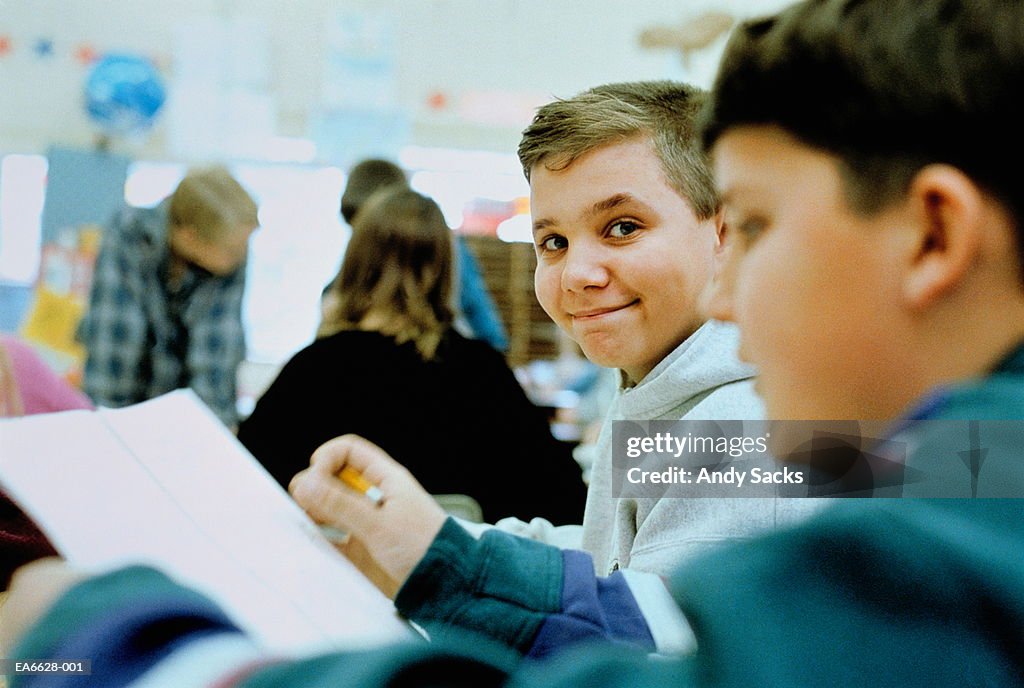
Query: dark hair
{"type": "Point", "coordinates": [887, 86]}
{"type": "Point", "coordinates": [663, 111]}
{"type": "Point", "coordinates": [364, 179]}
{"type": "Point", "coordinates": [396, 277]}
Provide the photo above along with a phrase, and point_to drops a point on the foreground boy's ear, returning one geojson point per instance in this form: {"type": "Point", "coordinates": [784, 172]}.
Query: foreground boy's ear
{"type": "Point", "coordinates": [716, 299]}
{"type": "Point", "coordinates": [721, 230]}
{"type": "Point", "coordinates": [949, 211]}
{"type": "Point", "coordinates": [723, 246]}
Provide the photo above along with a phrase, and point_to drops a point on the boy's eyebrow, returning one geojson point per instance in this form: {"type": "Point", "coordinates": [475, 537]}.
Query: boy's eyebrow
{"type": "Point", "coordinates": [599, 207]}
{"type": "Point", "coordinates": [610, 203]}
{"type": "Point", "coordinates": [542, 224]}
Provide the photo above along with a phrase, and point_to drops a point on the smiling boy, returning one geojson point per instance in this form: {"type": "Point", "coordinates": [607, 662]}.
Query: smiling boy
{"type": "Point", "coordinates": [610, 266]}
{"type": "Point", "coordinates": [628, 232]}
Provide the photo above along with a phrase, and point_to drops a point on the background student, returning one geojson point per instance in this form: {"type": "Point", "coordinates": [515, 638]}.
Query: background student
{"type": "Point", "coordinates": [165, 309]}
{"type": "Point", "coordinates": [389, 365]}
{"type": "Point", "coordinates": [476, 313]}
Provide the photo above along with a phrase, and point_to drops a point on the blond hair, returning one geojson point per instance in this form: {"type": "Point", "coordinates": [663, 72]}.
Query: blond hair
{"type": "Point", "coordinates": [214, 203]}
{"type": "Point", "coordinates": [396, 277]}
{"type": "Point", "coordinates": [664, 112]}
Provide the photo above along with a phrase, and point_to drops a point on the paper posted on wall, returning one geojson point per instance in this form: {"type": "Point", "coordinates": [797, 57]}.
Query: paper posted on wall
{"type": "Point", "coordinates": [164, 483]}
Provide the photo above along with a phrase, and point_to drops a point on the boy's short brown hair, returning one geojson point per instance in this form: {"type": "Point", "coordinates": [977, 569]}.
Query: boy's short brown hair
{"type": "Point", "coordinates": [663, 111]}
{"type": "Point", "coordinates": [864, 81]}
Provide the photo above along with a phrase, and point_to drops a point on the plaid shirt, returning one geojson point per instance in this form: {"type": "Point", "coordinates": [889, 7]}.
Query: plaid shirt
{"type": "Point", "coordinates": [143, 338]}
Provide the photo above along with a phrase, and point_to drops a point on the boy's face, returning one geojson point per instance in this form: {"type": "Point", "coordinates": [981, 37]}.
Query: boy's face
{"type": "Point", "coordinates": [219, 258]}
{"type": "Point", "coordinates": [622, 259]}
{"type": "Point", "coordinates": [810, 282]}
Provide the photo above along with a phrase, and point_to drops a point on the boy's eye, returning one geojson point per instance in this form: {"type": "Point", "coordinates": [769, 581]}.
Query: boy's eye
{"type": "Point", "coordinates": [553, 243]}
{"type": "Point", "coordinates": [751, 228]}
{"type": "Point", "coordinates": [623, 228]}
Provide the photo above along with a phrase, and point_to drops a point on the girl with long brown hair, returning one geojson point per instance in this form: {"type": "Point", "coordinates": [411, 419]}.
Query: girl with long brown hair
{"type": "Point", "coordinates": [389, 366]}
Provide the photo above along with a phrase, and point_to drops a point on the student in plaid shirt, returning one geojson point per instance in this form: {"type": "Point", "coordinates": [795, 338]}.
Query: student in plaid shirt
{"type": "Point", "coordinates": [165, 308]}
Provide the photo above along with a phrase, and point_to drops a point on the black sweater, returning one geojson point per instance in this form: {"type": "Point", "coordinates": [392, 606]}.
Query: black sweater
{"type": "Point", "coordinates": [460, 423]}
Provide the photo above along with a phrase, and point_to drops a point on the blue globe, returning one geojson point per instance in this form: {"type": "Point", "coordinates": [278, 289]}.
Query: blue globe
{"type": "Point", "coordinates": [123, 94]}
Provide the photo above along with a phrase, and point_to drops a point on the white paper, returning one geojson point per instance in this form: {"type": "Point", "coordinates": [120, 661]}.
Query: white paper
{"type": "Point", "coordinates": [164, 483]}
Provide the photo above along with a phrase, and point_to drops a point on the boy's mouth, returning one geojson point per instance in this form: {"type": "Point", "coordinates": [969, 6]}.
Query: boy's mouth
{"type": "Point", "coordinates": [595, 313]}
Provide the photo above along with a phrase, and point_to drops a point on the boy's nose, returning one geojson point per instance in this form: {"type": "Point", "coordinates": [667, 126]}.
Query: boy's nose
{"type": "Point", "coordinates": [584, 267]}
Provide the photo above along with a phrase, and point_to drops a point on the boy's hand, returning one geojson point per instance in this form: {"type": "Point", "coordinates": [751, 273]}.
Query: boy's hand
{"type": "Point", "coordinates": [387, 539]}
{"type": "Point", "coordinates": [34, 588]}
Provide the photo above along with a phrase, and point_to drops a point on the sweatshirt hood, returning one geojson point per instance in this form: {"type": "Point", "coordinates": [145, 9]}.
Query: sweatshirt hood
{"type": "Point", "coordinates": [706, 360]}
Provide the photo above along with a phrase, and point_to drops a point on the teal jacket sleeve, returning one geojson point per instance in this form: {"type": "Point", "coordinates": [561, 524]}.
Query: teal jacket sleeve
{"type": "Point", "coordinates": [122, 624]}
{"type": "Point", "coordinates": [138, 628]}
{"type": "Point", "coordinates": [529, 596]}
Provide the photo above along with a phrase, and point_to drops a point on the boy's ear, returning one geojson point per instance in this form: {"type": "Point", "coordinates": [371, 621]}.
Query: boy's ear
{"type": "Point", "coordinates": [948, 209]}
{"type": "Point", "coordinates": [713, 299]}
{"type": "Point", "coordinates": [723, 241]}
{"type": "Point", "coordinates": [720, 229]}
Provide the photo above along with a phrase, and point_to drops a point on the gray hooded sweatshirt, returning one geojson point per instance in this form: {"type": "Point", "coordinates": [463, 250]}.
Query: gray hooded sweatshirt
{"type": "Point", "coordinates": [701, 379]}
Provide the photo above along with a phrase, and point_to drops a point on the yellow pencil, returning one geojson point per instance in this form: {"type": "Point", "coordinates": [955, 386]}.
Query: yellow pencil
{"type": "Point", "coordinates": [357, 482]}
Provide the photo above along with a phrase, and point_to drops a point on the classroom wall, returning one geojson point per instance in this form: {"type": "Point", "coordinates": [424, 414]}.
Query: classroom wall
{"type": "Point", "coordinates": [251, 81]}
{"type": "Point", "coordinates": [461, 73]}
